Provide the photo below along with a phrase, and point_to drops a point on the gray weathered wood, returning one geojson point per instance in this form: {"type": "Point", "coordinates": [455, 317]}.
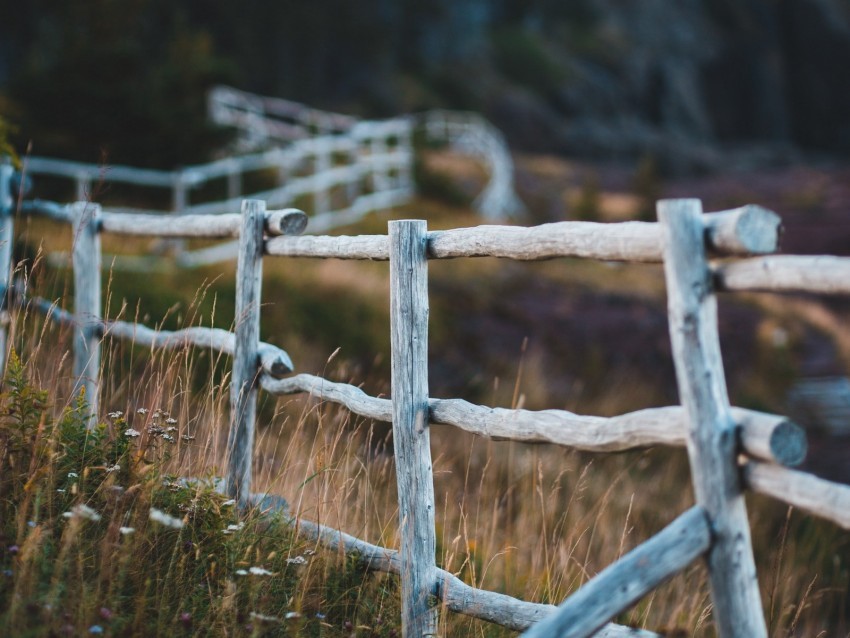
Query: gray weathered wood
{"type": "Point", "coordinates": [208, 226]}
{"type": "Point", "coordinates": [411, 440]}
{"type": "Point", "coordinates": [786, 273]}
{"type": "Point", "coordinates": [375, 247]}
{"type": "Point", "coordinates": [619, 586]}
{"type": "Point", "coordinates": [725, 232]}
{"type": "Point", "coordinates": [748, 230]}
{"type": "Point", "coordinates": [243, 383]}
{"type": "Point", "coordinates": [456, 595]}
{"type": "Point", "coordinates": [7, 236]}
{"type": "Point", "coordinates": [692, 309]}
{"type": "Point", "coordinates": [289, 221]}
{"type": "Point", "coordinates": [272, 360]}
{"type": "Point", "coordinates": [771, 438]}
{"type": "Point", "coordinates": [815, 495]}
{"type": "Point", "coordinates": [766, 436]}
{"type": "Point", "coordinates": [87, 304]}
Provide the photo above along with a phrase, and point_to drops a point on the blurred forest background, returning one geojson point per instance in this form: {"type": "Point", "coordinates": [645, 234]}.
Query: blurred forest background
{"type": "Point", "coordinates": [691, 83]}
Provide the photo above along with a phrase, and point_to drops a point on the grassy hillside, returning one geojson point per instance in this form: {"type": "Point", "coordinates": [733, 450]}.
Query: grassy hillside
{"type": "Point", "coordinates": [532, 521]}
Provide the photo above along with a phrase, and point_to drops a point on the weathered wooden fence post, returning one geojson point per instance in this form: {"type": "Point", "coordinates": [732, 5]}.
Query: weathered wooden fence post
{"type": "Point", "coordinates": [234, 180]}
{"type": "Point", "coordinates": [692, 309]}
{"type": "Point", "coordinates": [243, 382]}
{"type": "Point", "coordinates": [322, 164]}
{"type": "Point", "coordinates": [405, 147]}
{"type": "Point", "coordinates": [86, 260]}
{"type": "Point", "coordinates": [7, 236]}
{"type": "Point", "coordinates": [411, 439]}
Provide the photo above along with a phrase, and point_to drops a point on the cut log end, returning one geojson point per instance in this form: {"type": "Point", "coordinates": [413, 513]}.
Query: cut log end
{"type": "Point", "coordinates": [289, 221]}
{"type": "Point", "coordinates": [275, 362]}
{"type": "Point", "coordinates": [789, 444]}
{"type": "Point", "coordinates": [759, 229]}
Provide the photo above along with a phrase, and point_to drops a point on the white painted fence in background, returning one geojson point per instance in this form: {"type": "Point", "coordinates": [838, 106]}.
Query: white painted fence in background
{"type": "Point", "coordinates": [719, 438]}
{"type": "Point", "coordinates": [336, 167]}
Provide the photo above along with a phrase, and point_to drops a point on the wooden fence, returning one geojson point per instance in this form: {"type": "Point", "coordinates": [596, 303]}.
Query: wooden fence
{"type": "Point", "coordinates": [345, 168]}
{"type": "Point", "coordinates": [730, 449]}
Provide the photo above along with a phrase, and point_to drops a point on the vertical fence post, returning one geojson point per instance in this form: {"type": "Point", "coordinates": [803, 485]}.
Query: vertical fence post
{"type": "Point", "coordinates": [378, 154]}
{"type": "Point", "coordinates": [83, 187]}
{"type": "Point", "coordinates": [234, 180]}
{"type": "Point", "coordinates": [405, 147]}
{"type": "Point", "coordinates": [692, 309]}
{"type": "Point", "coordinates": [322, 163]}
{"type": "Point", "coordinates": [411, 439]}
{"type": "Point", "coordinates": [86, 259]}
{"type": "Point", "coordinates": [243, 383]}
{"type": "Point", "coordinates": [6, 240]}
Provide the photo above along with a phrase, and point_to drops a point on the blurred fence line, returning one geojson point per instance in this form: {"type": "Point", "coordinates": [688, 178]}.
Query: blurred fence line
{"type": "Point", "coordinates": [336, 167]}
{"type": "Point", "coordinates": [730, 449]}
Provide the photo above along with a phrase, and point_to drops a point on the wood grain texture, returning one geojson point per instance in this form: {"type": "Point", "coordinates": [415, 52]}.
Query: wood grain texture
{"type": "Point", "coordinates": [411, 439]}
{"type": "Point", "coordinates": [729, 232]}
{"type": "Point", "coordinates": [274, 361]}
{"type": "Point", "coordinates": [786, 273]}
{"type": "Point", "coordinates": [807, 492]}
{"type": "Point", "coordinates": [290, 221]}
{"type": "Point", "coordinates": [766, 436]}
{"type": "Point", "coordinates": [376, 247]}
{"type": "Point", "coordinates": [692, 310]}
{"type": "Point", "coordinates": [243, 383]}
{"type": "Point", "coordinates": [7, 237]}
{"type": "Point", "coordinates": [87, 303]}
{"type": "Point", "coordinates": [456, 595]}
{"type": "Point", "coordinates": [748, 230]}
{"type": "Point", "coordinates": [619, 586]}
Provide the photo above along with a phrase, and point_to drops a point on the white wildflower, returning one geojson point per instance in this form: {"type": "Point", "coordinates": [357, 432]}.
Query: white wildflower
{"type": "Point", "coordinates": [115, 415]}
{"type": "Point", "coordinates": [241, 572]}
{"type": "Point", "coordinates": [142, 411]}
{"type": "Point", "coordinates": [233, 528]}
{"type": "Point", "coordinates": [262, 617]}
{"type": "Point", "coordinates": [125, 531]}
{"type": "Point", "coordinates": [168, 437]}
{"type": "Point", "coordinates": [259, 571]}
{"type": "Point", "coordinates": [171, 429]}
{"type": "Point", "coordinates": [187, 437]}
{"type": "Point", "coordinates": [130, 432]}
{"type": "Point", "coordinates": [227, 503]}
{"type": "Point", "coordinates": [171, 420]}
{"type": "Point", "coordinates": [114, 468]}
{"type": "Point", "coordinates": [73, 475]}
{"type": "Point", "coordinates": [293, 614]}
{"type": "Point", "coordinates": [161, 517]}
{"type": "Point", "coordinates": [61, 491]}
{"type": "Point", "coordinates": [297, 560]}
{"type": "Point", "coordinates": [82, 511]}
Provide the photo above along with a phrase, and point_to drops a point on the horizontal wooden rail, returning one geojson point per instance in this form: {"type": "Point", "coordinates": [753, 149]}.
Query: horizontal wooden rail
{"type": "Point", "coordinates": [289, 221]}
{"type": "Point", "coordinates": [815, 495]}
{"type": "Point", "coordinates": [786, 273]}
{"type": "Point", "coordinates": [767, 436]}
{"type": "Point", "coordinates": [750, 229]}
{"type": "Point", "coordinates": [456, 595]}
{"type": "Point", "coordinates": [274, 361]}
{"type": "Point", "coordinates": [619, 586]}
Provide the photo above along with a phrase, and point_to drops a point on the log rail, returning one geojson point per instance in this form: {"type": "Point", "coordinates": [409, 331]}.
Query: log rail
{"type": "Point", "coordinates": [745, 448]}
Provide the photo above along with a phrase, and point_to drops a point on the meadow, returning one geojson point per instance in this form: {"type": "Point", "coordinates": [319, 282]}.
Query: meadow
{"type": "Point", "coordinates": [99, 534]}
